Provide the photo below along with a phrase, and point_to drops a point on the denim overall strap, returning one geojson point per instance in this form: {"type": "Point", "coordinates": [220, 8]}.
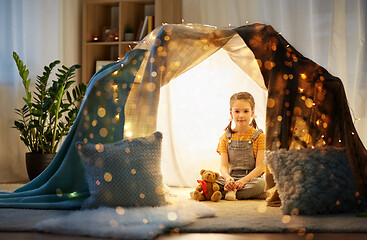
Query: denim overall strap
{"type": "Point", "coordinates": [256, 134]}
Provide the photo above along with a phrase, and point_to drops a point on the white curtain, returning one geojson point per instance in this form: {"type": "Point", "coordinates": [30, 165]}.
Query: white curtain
{"type": "Point", "coordinates": [40, 31]}
{"type": "Point", "coordinates": [330, 32]}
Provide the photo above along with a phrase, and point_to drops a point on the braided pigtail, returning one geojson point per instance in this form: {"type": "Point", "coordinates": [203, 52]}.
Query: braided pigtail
{"type": "Point", "coordinates": [253, 123]}
{"type": "Point", "coordinates": [229, 127]}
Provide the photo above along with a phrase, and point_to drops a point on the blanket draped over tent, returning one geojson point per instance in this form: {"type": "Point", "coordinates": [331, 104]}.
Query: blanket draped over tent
{"type": "Point", "coordinates": [307, 106]}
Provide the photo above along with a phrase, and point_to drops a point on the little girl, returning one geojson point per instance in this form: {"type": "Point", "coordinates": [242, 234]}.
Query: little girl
{"type": "Point", "coordinates": [242, 150]}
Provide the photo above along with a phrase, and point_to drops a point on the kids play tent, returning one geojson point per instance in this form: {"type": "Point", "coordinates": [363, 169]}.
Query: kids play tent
{"type": "Point", "coordinates": [306, 105]}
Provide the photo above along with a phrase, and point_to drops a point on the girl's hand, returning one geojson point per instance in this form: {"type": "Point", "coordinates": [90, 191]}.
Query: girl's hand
{"type": "Point", "coordinates": [239, 184]}
{"type": "Point", "coordinates": [229, 185]}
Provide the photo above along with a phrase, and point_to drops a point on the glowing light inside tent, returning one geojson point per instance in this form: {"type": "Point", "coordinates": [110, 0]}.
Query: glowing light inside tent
{"type": "Point", "coordinates": [309, 236]}
{"type": "Point", "coordinates": [101, 112]}
{"type": "Point", "coordinates": [286, 219]}
{"type": "Point", "coordinates": [193, 112]}
{"type": "Point", "coordinates": [172, 216]}
{"type": "Point", "coordinates": [73, 194]}
{"type": "Point", "coordinates": [59, 192]}
{"type": "Point", "coordinates": [107, 177]}
{"type": "Point", "coordinates": [120, 210]}
{"type": "Point", "coordinates": [301, 231]}
{"type": "Point", "coordinates": [103, 132]}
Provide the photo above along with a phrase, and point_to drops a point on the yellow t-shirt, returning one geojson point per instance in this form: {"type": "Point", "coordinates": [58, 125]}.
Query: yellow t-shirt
{"type": "Point", "coordinates": [258, 144]}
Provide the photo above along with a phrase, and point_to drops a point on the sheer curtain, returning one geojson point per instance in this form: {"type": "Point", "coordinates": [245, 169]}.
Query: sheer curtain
{"type": "Point", "coordinates": [40, 31]}
{"type": "Point", "coordinates": [330, 32]}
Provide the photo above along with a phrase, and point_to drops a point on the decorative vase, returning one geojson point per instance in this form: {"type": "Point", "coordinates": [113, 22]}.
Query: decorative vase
{"type": "Point", "coordinates": [37, 162]}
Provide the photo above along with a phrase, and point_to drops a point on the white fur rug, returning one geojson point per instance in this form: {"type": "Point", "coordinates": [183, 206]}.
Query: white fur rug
{"type": "Point", "coordinates": [130, 223]}
{"type": "Point", "coordinates": [126, 223]}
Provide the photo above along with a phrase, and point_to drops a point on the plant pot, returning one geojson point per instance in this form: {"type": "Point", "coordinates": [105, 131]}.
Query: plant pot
{"type": "Point", "coordinates": [129, 36]}
{"type": "Point", "coordinates": [37, 163]}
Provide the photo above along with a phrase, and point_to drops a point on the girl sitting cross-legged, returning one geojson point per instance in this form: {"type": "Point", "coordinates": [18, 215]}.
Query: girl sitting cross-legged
{"type": "Point", "coordinates": [241, 151]}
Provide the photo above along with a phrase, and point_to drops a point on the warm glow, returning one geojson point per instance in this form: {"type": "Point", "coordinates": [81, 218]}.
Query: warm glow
{"type": "Point", "coordinates": [101, 112]}
{"type": "Point", "coordinates": [107, 177]}
{"type": "Point", "coordinates": [199, 120]}
{"type": "Point", "coordinates": [120, 210]}
{"type": "Point", "coordinates": [286, 219]}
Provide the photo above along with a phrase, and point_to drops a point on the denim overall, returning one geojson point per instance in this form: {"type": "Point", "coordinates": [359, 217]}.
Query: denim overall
{"type": "Point", "coordinates": [241, 161]}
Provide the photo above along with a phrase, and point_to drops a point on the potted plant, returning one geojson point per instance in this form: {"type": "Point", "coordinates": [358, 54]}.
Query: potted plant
{"type": "Point", "coordinates": [48, 114]}
{"type": "Point", "coordinates": [129, 33]}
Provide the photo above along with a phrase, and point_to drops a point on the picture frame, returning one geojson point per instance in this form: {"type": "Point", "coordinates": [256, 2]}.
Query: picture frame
{"type": "Point", "coordinates": [101, 63]}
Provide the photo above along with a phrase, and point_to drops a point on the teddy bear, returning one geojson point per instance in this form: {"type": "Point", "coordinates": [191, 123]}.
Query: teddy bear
{"type": "Point", "coordinates": [208, 189]}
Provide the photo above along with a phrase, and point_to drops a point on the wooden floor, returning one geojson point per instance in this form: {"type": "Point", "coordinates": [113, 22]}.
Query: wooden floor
{"type": "Point", "coordinates": [199, 236]}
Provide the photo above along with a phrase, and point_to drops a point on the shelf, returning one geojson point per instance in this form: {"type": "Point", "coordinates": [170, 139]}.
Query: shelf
{"type": "Point", "coordinates": [111, 43]}
{"type": "Point", "coordinates": [107, 19]}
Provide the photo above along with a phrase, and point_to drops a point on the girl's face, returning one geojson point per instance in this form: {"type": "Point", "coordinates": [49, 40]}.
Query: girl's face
{"type": "Point", "coordinates": [241, 113]}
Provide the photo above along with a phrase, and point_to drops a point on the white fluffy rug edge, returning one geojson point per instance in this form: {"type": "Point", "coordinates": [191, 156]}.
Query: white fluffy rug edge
{"type": "Point", "coordinates": [128, 223]}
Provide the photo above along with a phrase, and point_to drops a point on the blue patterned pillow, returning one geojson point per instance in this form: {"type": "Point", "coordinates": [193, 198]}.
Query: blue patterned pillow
{"type": "Point", "coordinates": [126, 173]}
{"type": "Point", "coordinates": [314, 181]}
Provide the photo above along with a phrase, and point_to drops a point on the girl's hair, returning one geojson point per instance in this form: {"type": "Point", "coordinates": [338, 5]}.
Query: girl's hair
{"type": "Point", "coordinates": [241, 96]}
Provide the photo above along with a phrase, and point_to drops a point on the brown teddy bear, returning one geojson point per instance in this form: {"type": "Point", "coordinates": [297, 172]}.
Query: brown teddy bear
{"type": "Point", "coordinates": [208, 188]}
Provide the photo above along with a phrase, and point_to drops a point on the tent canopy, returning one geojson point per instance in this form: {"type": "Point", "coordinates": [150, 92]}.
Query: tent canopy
{"type": "Point", "coordinates": [306, 106]}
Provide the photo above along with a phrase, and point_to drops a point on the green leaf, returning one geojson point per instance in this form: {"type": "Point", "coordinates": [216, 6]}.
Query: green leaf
{"type": "Point", "coordinates": [62, 71]}
{"type": "Point", "coordinates": [68, 84]}
{"type": "Point", "coordinates": [19, 125]}
{"type": "Point", "coordinates": [68, 96]}
{"type": "Point", "coordinates": [75, 92]}
{"type": "Point", "coordinates": [26, 100]}
{"type": "Point", "coordinates": [25, 75]}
